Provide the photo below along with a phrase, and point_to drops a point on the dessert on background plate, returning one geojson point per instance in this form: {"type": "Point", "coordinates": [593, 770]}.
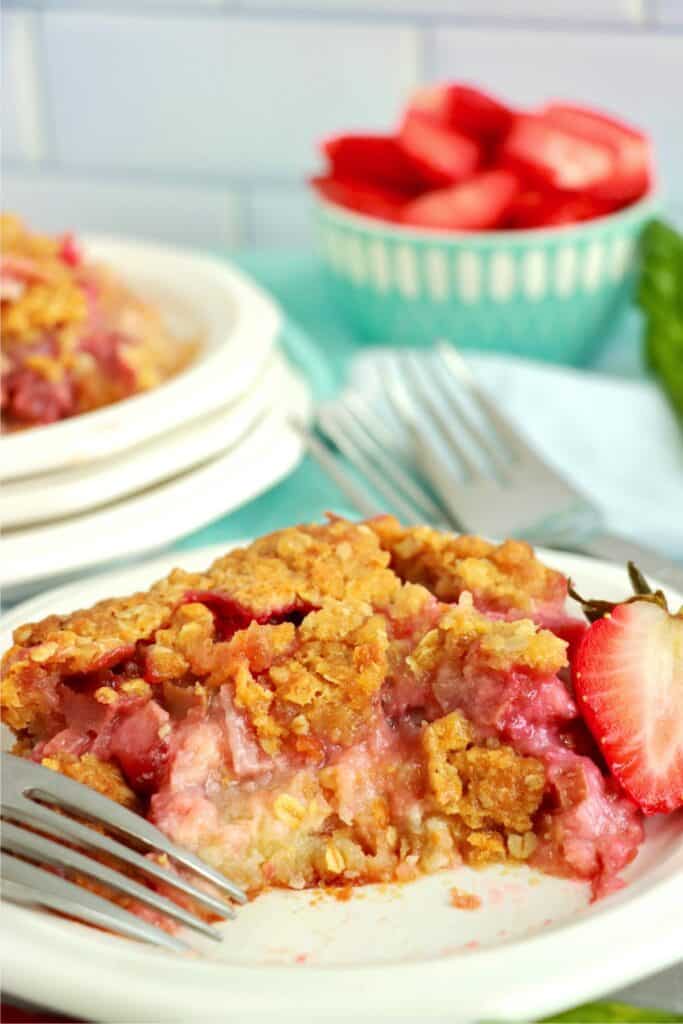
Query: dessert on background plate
{"type": "Point", "coordinates": [338, 704]}
{"type": "Point", "coordinates": [75, 338]}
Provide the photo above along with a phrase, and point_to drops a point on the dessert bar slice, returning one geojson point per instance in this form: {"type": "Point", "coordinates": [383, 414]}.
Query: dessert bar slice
{"type": "Point", "coordinates": [334, 704]}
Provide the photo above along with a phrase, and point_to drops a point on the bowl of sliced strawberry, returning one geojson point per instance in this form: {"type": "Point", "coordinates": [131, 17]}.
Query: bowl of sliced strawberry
{"type": "Point", "coordinates": [497, 228]}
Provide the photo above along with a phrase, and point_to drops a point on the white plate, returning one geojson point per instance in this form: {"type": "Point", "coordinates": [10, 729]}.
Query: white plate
{"type": "Point", "coordinates": [153, 519]}
{"type": "Point", "coordinates": [235, 319]}
{"type": "Point", "coordinates": [24, 503]}
{"type": "Point", "coordinates": [391, 952]}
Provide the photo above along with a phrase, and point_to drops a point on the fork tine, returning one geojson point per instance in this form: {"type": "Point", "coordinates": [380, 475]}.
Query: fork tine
{"type": "Point", "coordinates": [331, 466]}
{"type": "Point", "coordinates": [459, 369]}
{"type": "Point", "coordinates": [438, 469]}
{"type": "Point", "coordinates": [39, 816]}
{"type": "Point", "coordinates": [82, 800]}
{"type": "Point", "coordinates": [48, 890]}
{"type": "Point", "coordinates": [343, 428]}
{"type": "Point", "coordinates": [406, 510]}
{"type": "Point", "coordinates": [443, 382]}
{"type": "Point", "coordinates": [369, 430]}
{"type": "Point", "coordinates": [29, 844]}
{"type": "Point", "coordinates": [441, 421]}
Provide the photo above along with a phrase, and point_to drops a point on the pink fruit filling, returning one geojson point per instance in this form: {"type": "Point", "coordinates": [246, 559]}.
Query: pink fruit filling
{"type": "Point", "coordinates": [350, 727]}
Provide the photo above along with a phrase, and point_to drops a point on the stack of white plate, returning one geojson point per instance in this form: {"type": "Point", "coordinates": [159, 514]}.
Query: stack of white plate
{"type": "Point", "coordinates": [135, 476]}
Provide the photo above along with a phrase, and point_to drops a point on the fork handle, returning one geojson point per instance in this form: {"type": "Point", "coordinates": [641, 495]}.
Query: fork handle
{"type": "Point", "coordinates": [618, 549]}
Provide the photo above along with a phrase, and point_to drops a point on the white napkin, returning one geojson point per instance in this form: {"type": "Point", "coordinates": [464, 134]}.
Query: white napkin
{"type": "Point", "coordinates": [617, 439]}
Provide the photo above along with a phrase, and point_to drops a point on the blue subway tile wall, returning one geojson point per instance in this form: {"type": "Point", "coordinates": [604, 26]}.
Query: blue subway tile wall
{"type": "Point", "coordinates": [195, 121]}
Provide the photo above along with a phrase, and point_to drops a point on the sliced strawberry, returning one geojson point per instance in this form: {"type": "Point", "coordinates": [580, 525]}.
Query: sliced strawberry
{"type": "Point", "coordinates": [535, 208]}
{"type": "Point", "coordinates": [632, 151]}
{"type": "Point", "coordinates": [69, 251]}
{"type": "Point", "coordinates": [363, 198]}
{"type": "Point", "coordinates": [573, 209]}
{"type": "Point", "coordinates": [141, 748]}
{"type": "Point", "coordinates": [431, 101]}
{"type": "Point", "coordinates": [628, 681]}
{"type": "Point", "coordinates": [529, 208]}
{"type": "Point", "coordinates": [231, 616]}
{"type": "Point", "coordinates": [374, 159]}
{"type": "Point", "coordinates": [554, 157]}
{"type": "Point", "coordinates": [464, 109]}
{"type": "Point", "coordinates": [441, 156]}
{"type": "Point", "coordinates": [481, 202]}
{"type": "Point", "coordinates": [479, 114]}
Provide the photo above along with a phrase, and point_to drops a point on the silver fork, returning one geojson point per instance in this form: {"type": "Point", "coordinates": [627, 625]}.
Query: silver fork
{"type": "Point", "coordinates": [27, 790]}
{"type": "Point", "coordinates": [486, 477]}
{"type": "Point", "coordinates": [505, 487]}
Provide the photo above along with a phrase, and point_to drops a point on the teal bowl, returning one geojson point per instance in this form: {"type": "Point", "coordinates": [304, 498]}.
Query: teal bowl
{"type": "Point", "coordinates": [546, 293]}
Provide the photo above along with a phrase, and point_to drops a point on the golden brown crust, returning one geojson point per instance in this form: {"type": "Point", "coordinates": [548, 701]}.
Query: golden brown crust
{"type": "Point", "coordinates": [463, 633]}
{"type": "Point", "coordinates": [52, 335]}
{"type": "Point", "coordinates": [329, 669]}
{"type": "Point", "coordinates": [503, 577]}
{"type": "Point", "coordinates": [299, 714]}
{"type": "Point", "coordinates": [487, 787]}
{"type": "Point", "coordinates": [103, 776]}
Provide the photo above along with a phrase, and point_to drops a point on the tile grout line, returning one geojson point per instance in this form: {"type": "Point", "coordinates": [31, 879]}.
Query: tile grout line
{"type": "Point", "coordinates": [412, 16]}
{"type": "Point", "coordinates": [151, 176]}
{"type": "Point", "coordinates": [22, 61]}
{"type": "Point", "coordinates": [42, 84]}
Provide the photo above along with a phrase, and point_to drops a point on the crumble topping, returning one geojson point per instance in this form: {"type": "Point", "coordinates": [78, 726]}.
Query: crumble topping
{"type": "Point", "coordinates": [462, 632]}
{"type": "Point", "coordinates": [308, 712]}
{"type": "Point", "coordinates": [485, 787]}
{"type": "Point", "coordinates": [75, 337]}
{"type": "Point", "coordinates": [505, 577]}
{"type": "Point", "coordinates": [103, 776]}
{"type": "Point", "coordinates": [463, 900]}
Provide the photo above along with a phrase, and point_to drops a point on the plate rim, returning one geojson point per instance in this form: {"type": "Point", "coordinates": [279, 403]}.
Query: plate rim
{"type": "Point", "coordinates": [271, 434]}
{"type": "Point", "coordinates": [234, 363]}
{"type": "Point", "coordinates": [237, 418]}
{"type": "Point", "coordinates": [197, 986]}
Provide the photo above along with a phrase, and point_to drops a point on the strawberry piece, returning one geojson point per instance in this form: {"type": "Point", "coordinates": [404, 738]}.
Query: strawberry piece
{"type": "Point", "coordinates": [374, 159]}
{"type": "Point", "coordinates": [140, 749]}
{"type": "Point", "coordinates": [464, 109]}
{"type": "Point", "coordinates": [69, 251]}
{"type": "Point", "coordinates": [230, 616]}
{"type": "Point", "coordinates": [371, 200]}
{"type": "Point", "coordinates": [478, 114]}
{"type": "Point", "coordinates": [479, 203]}
{"type": "Point", "coordinates": [556, 158]}
{"type": "Point", "coordinates": [431, 101]}
{"type": "Point", "coordinates": [628, 681]}
{"type": "Point", "coordinates": [441, 156]}
{"type": "Point", "coordinates": [535, 208]}
{"type": "Point", "coordinates": [632, 152]}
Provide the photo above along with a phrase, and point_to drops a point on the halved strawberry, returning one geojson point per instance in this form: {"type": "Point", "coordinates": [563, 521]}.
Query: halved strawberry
{"type": "Point", "coordinates": [558, 158]}
{"type": "Point", "coordinates": [374, 159]}
{"type": "Point", "coordinates": [69, 250]}
{"type": "Point", "coordinates": [371, 200]}
{"type": "Point", "coordinates": [631, 148]}
{"type": "Point", "coordinates": [628, 681]}
{"type": "Point", "coordinates": [465, 109]}
{"type": "Point", "coordinates": [441, 156]}
{"type": "Point", "coordinates": [478, 203]}
{"type": "Point", "coordinates": [535, 208]}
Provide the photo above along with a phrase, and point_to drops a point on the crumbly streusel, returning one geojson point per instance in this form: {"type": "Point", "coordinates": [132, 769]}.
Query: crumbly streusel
{"type": "Point", "coordinates": [328, 705]}
{"type": "Point", "coordinates": [74, 337]}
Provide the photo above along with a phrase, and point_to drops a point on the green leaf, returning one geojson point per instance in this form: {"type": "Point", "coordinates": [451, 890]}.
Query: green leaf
{"type": "Point", "coordinates": [604, 1013]}
{"type": "Point", "coordinates": [660, 296]}
{"type": "Point", "coordinates": [612, 1012]}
